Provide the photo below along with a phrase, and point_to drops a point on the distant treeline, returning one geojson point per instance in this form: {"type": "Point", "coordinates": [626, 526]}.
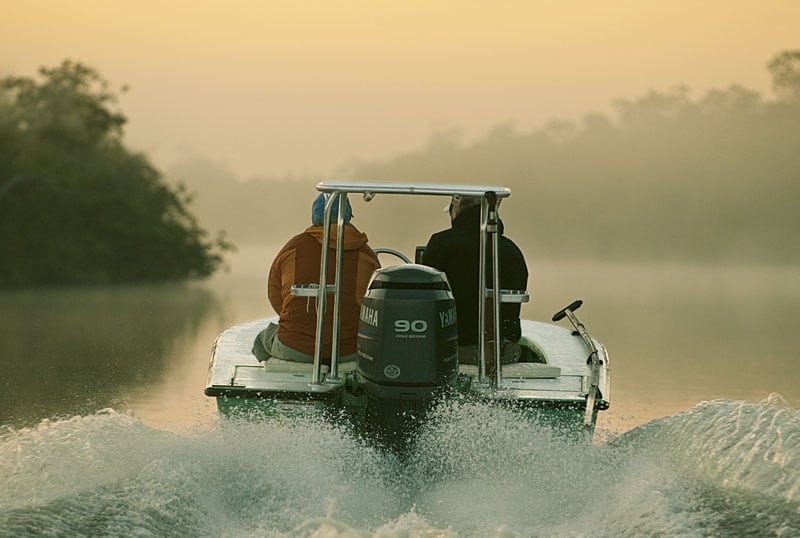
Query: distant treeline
{"type": "Point", "coordinates": [669, 176]}
{"type": "Point", "coordinates": [77, 207]}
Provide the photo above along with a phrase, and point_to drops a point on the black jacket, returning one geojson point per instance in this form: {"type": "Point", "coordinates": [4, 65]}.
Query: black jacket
{"type": "Point", "coordinates": [456, 252]}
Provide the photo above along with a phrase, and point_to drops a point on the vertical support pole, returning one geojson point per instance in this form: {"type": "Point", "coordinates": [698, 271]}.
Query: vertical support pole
{"type": "Point", "coordinates": [337, 297]}
{"type": "Point", "coordinates": [494, 232]}
{"type": "Point", "coordinates": [322, 291]}
{"type": "Point", "coordinates": [482, 294]}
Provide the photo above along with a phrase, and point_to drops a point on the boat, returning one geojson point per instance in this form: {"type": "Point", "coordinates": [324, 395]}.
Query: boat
{"type": "Point", "coordinates": [407, 354]}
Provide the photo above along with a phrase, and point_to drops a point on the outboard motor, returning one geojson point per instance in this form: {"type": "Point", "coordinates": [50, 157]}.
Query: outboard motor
{"type": "Point", "coordinates": [407, 347]}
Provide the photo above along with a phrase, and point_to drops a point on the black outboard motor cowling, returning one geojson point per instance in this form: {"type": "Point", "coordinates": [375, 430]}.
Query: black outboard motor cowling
{"type": "Point", "coordinates": [407, 346]}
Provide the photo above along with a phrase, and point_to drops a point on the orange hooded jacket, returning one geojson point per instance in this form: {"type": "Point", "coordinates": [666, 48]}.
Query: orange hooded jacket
{"type": "Point", "coordinates": [298, 263]}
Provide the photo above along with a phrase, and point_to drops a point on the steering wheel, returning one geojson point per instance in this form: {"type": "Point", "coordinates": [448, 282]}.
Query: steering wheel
{"type": "Point", "coordinates": [393, 252]}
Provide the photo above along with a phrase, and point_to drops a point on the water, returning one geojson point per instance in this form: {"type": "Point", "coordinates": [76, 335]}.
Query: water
{"type": "Point", "coordinates": [722, 468]}
{"type": "Point", "coordinates": [107, 432]}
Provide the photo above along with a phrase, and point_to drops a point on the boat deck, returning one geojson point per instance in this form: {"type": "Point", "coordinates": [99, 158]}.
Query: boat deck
{"type": "Point", "coordinates": [564, 376]}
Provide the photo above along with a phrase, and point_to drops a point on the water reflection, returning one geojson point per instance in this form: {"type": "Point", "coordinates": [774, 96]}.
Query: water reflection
{"type": "Point", "coordinates": [71, 352]}
{"type": "Point", "coordinates": [677, 335]}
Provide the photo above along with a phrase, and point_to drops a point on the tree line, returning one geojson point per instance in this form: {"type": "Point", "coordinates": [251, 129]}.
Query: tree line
{"type": "Point", "coordinates": [78, 207]}
{"type": "Point", "coordinates": [667, 176]}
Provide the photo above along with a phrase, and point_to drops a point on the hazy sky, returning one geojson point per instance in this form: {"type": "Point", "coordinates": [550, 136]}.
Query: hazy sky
{"type": "Point", "coordinates": [269, 87]}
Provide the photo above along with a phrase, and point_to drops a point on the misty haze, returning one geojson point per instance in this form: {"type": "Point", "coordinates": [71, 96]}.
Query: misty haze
{"type": "Point", "coordinates": [671, 176]}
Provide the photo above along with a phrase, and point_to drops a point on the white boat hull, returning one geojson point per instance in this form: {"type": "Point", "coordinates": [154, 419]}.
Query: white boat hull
{"type": "Point", "coordinates": [555, 390]}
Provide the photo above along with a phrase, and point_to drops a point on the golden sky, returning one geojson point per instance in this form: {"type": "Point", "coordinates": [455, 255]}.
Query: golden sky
{"type": "Point", "coordinates": [270, 87]}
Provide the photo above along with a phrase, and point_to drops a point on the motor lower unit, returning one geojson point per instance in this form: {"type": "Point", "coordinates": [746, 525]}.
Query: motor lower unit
{"type": "Point", "coordinates": [407, 344]}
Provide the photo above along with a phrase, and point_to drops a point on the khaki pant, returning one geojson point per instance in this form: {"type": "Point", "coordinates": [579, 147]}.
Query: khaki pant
{"type": "Point", "coordinates": [268, 345]}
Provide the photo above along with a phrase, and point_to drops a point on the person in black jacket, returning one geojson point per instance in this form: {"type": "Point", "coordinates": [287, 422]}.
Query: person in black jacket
{"type": "Point", "coordinates": [456, 252]}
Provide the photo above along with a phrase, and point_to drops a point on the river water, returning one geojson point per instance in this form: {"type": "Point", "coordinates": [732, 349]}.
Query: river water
{"type": "Point", "coordinates": [106, 431]}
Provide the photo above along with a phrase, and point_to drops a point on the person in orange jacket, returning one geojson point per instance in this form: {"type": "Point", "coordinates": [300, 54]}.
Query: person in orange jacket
{"type": "Point", "coordinates": [298, 262]}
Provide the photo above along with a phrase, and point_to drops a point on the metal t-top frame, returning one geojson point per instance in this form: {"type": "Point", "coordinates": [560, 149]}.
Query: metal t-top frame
{"type": "Point", "coordinates": [338, 191]}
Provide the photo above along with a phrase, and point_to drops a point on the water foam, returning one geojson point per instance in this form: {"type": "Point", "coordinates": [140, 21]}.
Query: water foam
{"type": "Point", "coordinates": [719, 468]}
{"type": "Point", "coordinates": [734, 444]}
